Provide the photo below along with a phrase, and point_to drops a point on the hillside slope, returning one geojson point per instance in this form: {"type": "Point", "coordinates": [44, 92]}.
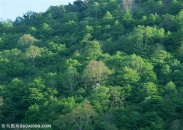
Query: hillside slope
{"type": "Point", "coordinates": [95, 65]}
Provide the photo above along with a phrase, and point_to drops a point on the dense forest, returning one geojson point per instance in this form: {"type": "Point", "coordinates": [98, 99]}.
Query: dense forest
{"type": "Point", "coordinates": [95, 65]}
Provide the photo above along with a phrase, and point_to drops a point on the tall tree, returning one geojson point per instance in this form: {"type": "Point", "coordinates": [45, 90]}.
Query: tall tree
{"type": "Point", "coordinates": [32, 52]}
{"type": "Point", "coordinates": [79, 118]}
{"type": "Point", "coordinates": [99, 98]}
{"type": "Point", "coordinates": [25, 41]}
{"type": "Point", "coordinates": [95, 72]}
{"type": "Point", "coordinates": [69, 79]}
{"type": "Point", "coordinates": [92, 50]}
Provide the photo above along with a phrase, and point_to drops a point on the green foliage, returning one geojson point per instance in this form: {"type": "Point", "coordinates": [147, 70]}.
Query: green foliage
{"type": "Point", "coordinates": [94, 65]}
{"type": "Point", "coordinates": [107, 16]}
{"type": "Point", "coordinates": [127, 119]}
{"type": "Point", "coordinates": [125, 76]}
{"type": "Point", "coordinates": [32, 52]}
{"type": "Point", "coordinates": [170, 89]}
{"type": "Point", "coordinates": [95, 72]}
{"type": "Point", "coordinates": [25, 41]}
{"type": "Point", "coordinates": [92, 50]}
{"type": "Point", "coordinates": [39, 93]}
{"type": "Point", "coordinates": [12, 94]}
{"type": "Point", "coordinates": [99, 98]}
{"type": "Point", "coordinates": [69, 79]}
{"type": "Point", "coordinates": [79, 118]}
{"type": "Point", "coordinates": [142, 40]}
{"type": "Point", "coordinates": [148, 89]}
{"type": "Point", "coordinates": [117, 96]}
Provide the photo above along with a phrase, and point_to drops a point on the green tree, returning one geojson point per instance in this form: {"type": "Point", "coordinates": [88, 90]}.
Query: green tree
{"type": "Point", "coordinates": [69, 79]}
{"type": "Point", "coordinates": [14, 55]}
{"type": "Point", "coordinates": [39, 93]}
{"type": "Point", "coordinates": [95, 72]}
{"type": "Point", "coordinates": [8, 24]}
{"type": "Point", "coordinates": [151, 120]}
{"type": "Point", "coordinates": [14, 104]}
{"type": "Point", "coordinates": [175, 6]}
{"type": "Point", "coordinates": [127, 119]}
{"type": "Point", "coordinates": [127, 18]}
{"type": "Point", "coordinates": [92, 50]}
{"type": "Point", "coordinates": [143, 67]}
{"type": "Point", "coordinates": [32, 52]}
{"type": "Point", "coordinates": [117, 97]}
{"type": "Point", "coordinates": [105, 121]}
{"type": "Point", "coordinates": [99, 98]}
{"type": "Point", "coordinates": [96, 7]}
{"type": "Point", "coordinates": [38, 99]}
{"type": "Point", "coordinates": [163, 62]}
{"type": "Point", "coordinates": [79, 118]}
{"type": "Point", "coordinates": [32, 30]}
{"type": "Point", "coordinates": [125, 76]}
{"type": "Point", "coordinates": [108, 16]}
{"type": "Point", "coordinates": [94, 10]}
{"type": "Point", "coordinates": [148, 89]}
{"type": "Point", "coordinates": [56, 48]}
{"type": "Point", "coordinates": [45, 31]}
{"type": "Point", "coordinates": [25, 41]}
{"type": "Point", "coordinates": [170, 89]}
{"type": "Point", "coordinates": [141, 40]}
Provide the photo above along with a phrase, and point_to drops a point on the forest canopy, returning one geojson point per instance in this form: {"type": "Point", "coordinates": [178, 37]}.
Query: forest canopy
{"type": "Point", "coordinates": [94, 65]}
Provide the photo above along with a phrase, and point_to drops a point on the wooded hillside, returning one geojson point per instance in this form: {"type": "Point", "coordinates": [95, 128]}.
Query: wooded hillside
{"type": "Point", "coordinates": [95, 65]}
